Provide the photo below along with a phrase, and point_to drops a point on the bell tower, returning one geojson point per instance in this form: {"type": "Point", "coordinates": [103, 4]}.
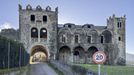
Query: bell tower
{"type": "Point", "coordinates": [118, 26]}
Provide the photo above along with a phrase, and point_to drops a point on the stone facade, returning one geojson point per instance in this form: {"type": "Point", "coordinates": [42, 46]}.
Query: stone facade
{"type": "Point", "coordinates": [70, 43]}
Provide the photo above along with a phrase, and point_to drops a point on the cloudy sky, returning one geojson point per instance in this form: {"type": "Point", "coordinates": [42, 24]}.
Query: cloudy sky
{"type": "Point", "coordinates": [75, 11]}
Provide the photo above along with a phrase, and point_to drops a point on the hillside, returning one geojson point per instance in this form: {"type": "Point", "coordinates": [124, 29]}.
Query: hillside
{"type": "Point", "coordinates": [130, 58]}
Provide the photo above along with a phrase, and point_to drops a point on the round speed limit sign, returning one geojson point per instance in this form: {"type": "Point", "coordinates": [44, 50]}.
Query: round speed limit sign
{"type": "Point", "coordinates": [99, 57]}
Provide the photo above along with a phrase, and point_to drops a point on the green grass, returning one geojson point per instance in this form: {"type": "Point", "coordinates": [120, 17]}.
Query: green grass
{"type": "Point", "coordinates": [5, 71]}
{"type": "Point", "coordinates": [110, 70]}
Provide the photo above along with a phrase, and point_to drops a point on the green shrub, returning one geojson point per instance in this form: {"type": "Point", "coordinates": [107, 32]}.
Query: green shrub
{"type": "Point", "coordinates": [15, 49]}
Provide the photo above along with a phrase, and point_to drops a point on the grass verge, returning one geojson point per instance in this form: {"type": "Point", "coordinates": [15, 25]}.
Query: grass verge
{"type": "Point", "coordinates": [110, 70]}
{"type": "Point", "coordinates": [5, 71]}
{"type": "Point", "coordinates": [55, 69]}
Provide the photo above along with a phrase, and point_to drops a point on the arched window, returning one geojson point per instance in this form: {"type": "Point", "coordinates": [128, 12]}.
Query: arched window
{"type": "Point", "coordinates": [107, 36]}
{"type": "Point", "coordinates": [89, 39]}
{"type": "Point", "coordinates": [34, 33]}
{"type": "Point", "coordinates": [32, 18]}
{"type": "Point", "coordinates": [76, 39]}
{"type": "Point", "coordinates": [43, 33]}
{"type": "Point", "coordinates": [63, 39]}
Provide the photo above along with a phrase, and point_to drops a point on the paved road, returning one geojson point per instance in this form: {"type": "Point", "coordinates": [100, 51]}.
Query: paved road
{"type": "Point", "coordinates": [34, 69]}
{"type": "Point", "coordinates": [42, 69]}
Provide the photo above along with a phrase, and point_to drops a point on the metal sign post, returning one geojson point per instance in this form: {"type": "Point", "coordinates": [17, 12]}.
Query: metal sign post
{"type": "Point", "coordinates": [99, 58]}
{"type": "Point", "coordinates": [99, 69]}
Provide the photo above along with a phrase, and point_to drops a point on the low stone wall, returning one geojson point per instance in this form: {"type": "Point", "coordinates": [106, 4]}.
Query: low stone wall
{"type": "Point", "coordinates": [66, 69]}
{"type": "Point", "coordinates": [71, 69]}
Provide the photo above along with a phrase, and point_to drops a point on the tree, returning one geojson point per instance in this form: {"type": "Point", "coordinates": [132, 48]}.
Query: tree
{"type": "Point", "coordinates": [14, 53]}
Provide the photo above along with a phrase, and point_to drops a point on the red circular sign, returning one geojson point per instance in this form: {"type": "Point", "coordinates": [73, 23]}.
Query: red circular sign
{"type": "Point", "coordinates": [99, 57]}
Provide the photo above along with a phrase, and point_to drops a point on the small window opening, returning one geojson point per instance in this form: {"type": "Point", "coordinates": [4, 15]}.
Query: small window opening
{"type": "Point", "coordinates": [102, 39]}
{"type": "Point", "coordinates": [89, 26]}
{"type": "Point", "coordinates": [33, 18]}
{"type": "Point", "coordinates": [119, 38]}
{"type": "Point", "coordinates": [69, 26]}
{"type": "Point", "coordinates": [119, 24]}
{"type": "Point", "coordinates": [44, 18]}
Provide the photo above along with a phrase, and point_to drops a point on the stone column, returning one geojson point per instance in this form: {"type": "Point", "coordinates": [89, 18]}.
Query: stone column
{"type": "Point", "coordinates": [71, 57]}
{"type": "Point", "coordinates": [86, 56]}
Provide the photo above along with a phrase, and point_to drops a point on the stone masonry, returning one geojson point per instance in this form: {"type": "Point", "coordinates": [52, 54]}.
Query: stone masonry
{"type": "Point", "coordinates": [70, 43]}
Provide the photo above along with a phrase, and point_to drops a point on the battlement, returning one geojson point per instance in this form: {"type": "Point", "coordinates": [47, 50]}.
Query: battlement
{"type": "Point", "coordinates": [116, 17]}
{"type": "Point", "coordinates": [38, 8]}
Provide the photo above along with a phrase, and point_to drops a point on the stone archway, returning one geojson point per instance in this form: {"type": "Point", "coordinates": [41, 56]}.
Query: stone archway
{"type": "Point", "coordinates": [90, 53]}
{"type": "Point", "coordinates": [78, 55]}
{"type": "Point", "coordinates": [38, 54]}
{"type": "Point", "coordinates": [64, 54]}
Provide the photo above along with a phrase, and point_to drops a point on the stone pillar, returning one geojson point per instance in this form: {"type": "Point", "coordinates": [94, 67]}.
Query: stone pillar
{"type": "Point", "coordinates": [71, 58]}
{"type": "Point", "coordinates": [86, 56]}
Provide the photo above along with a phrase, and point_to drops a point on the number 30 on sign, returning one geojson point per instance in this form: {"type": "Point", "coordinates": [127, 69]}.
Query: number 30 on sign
{"type": "Point", "coordinates": [99, 57]}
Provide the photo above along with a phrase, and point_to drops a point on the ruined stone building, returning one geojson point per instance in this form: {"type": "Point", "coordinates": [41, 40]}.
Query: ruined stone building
{"type": "Point", "coordinates": [70, 43]}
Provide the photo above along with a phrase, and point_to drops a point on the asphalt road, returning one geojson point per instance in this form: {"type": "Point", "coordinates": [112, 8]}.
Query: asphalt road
{"type": "Point", "coordinates": [41, 69]}
{"type": "Point", "coordinates": [33, 69]}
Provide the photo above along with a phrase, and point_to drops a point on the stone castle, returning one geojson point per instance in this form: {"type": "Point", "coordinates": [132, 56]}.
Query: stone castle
{"type": "Point", "coordinates": [70, 43]}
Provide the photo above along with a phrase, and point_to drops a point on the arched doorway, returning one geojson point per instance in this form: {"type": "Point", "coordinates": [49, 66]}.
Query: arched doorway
{"type": "Point", "coordinates": [64, 54]}
{"type": "Point", "coordinates": [90, 52]}
{"type": "Point", "coordinates": [78, 55]}
{"type": "Point", "coordinates": [38, 54]}
{"type": "Point", "coordinates": [39, 57]}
